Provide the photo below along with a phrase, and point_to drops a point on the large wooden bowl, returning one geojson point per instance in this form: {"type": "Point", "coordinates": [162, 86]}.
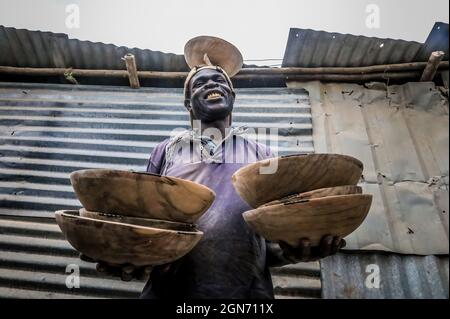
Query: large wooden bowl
{"type": "Point", "coordinates": [318, 193]}
{"type": "Point", "coordinates": [294, 174]}
{"type": "Point", "coordinates": [120, 243]}
{"type": "Point", "coordinates": [141, 194]}
{"type": "Point", "coordinates": [312, 219]}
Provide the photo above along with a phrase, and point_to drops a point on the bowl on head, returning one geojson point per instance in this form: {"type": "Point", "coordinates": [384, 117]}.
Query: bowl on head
{"type": "Point", "coordinates": [294, 174]}
{"type": "Point", "coordinates": [120, 243]}
{"type": "Point", "coordinates": [310, 218]}
{"type": "Point", "coordinates": [141, 194]}
{"type": "Point", "coordinates": [219, 52]}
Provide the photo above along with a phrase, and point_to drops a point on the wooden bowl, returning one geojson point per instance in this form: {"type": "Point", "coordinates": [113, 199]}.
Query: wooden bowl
{"type": "Point", "coordinates": [312, 219]}
{"type": "Point", "coordinates": [141, 195]}
{"type": "Point", "coordinates": [120, 243]}
{"type": "Point", "coordinates": [318, 193]}
{"type": "Point", "coordinates": [147, 222]}
{"type": "Point", "coordinates": [219, 51]}
{"type": "Point", "coordinates": [294, 174]}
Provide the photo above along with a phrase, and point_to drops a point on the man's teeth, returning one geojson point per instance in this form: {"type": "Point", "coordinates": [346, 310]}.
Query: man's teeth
{"type": "Point", "coordinates": [213, 95]}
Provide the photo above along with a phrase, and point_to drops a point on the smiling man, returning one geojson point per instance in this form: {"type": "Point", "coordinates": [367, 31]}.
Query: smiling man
{"type": "Point", "coordinates": [231, 260]}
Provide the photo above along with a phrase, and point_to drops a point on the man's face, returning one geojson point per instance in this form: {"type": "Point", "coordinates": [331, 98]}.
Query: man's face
{"type": "Point", "coordinates": [211, 96]}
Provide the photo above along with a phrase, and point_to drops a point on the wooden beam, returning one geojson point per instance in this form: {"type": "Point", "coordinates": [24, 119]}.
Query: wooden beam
{"type": "Point", "coordinates": [399, 67]}
{"type": "Point", "coordinates": [394, 71]}
{"type": "Point", "coordinates": [130, 62]}
{"type": "Point", "coordinates": [347, 77]}
{"type": "Point", "coordinates": [432, 66]}
{"type": "Point", "coordinates": [61, 71]}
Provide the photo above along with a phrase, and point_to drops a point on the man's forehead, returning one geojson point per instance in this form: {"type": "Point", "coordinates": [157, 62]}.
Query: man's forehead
{"type": "Point", "coordinates": [207, 73]}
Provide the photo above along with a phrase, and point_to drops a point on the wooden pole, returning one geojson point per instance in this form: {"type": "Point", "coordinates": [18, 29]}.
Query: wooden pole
{"type": "Point", "coordinates": [61, 71]}
{"type": "Point", "coordinates": [90, 72]}
{"type": "Point", "coordinates": [337, 77]}
{"type": "Point", "coordinates": [432, 66]}
{"type": "Point", "coordinates": [412, 66]}
{"type": "Point", "coordinates": [399, 71]}
{"type": "Point", "coordinates": [130, 62]}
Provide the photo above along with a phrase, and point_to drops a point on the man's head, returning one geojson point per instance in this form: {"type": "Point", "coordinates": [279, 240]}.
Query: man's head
{"type": "Point", "coordinates": [209, 94]}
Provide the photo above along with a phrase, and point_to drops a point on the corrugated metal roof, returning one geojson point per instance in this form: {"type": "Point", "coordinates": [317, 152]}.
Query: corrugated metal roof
{"type": "Point", "coordinates": [437, 40]}
{"type": "Point", "coordinates": [401, 134]}
{"type": "Point", "coordinates": [25, 48]}
{"type": "Point", "coordinates": [38, 49]}
{"type": "Point", "coordinates": [346, 275]}
{"type": "Point", "coordinates": [48, 131]}
{"type": "Point", "coordinates": [310, 48]}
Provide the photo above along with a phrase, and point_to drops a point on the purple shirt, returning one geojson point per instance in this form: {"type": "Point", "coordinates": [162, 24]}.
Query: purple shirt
{"type": "Point", "coordinates": [230, 261]}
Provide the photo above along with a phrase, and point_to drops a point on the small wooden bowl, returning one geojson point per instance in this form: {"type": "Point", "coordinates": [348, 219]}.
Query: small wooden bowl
{"type": "Point", "coordinates": [141, 195]}
{"type": "Point", "coordinates": [311, 219]}
{"type": "Point", "coordinates": [120, 243]}
{"type": "Point", "coordinates": [294, 174]}
{"type": "Point", "coordinates": [318, 193]}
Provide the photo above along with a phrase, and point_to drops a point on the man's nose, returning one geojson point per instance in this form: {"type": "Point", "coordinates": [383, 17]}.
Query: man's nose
{"type": "Point", "coordinates": [210, 83]}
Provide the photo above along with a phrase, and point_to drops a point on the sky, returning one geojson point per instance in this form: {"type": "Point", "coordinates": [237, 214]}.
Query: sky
{"type": "Point", "coordinates": [258, 28]}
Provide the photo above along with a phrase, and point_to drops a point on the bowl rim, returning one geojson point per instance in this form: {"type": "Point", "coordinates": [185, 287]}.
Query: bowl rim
{"type": "Point", "coordinates": [174, 223]}
{"type": "Point", "coordinates": [71, 214]}
{"type": "Point", "coordinates": [292, 196]}
{"type": "Point", "coordinates": [261, 208]}
{"type": "Point", "coordinates": [347, 156]}
{"type": "Point", "coordinates": [288, 157]}
{"type": "Point", "coordinates": [300, 201]}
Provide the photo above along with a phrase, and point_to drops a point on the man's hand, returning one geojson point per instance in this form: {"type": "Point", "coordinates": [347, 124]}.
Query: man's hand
{"type": "Point", "coordinates": [329, 245]}
{"type": "Point", "coordinates": [126, 272]}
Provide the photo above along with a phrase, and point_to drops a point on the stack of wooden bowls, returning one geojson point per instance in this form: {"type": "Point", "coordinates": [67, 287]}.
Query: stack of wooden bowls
{"type": "Point", "coordinates": [307, 196]}
{"type": "Point", "coordinates": [134, 218]}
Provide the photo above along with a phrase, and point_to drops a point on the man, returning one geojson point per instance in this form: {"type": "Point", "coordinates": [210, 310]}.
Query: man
{"type": "Point", "coordinates": [231, 260]}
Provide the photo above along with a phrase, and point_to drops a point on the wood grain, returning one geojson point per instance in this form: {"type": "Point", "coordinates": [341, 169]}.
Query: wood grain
{"type": "Point", "coordinates": [141, 195]}
{"type": "Point", "coordinates": [119, 243]}
{"type": "Point", "coordinates": [312, 219]}
{"type": "Point", "coordinates": [295, 174]}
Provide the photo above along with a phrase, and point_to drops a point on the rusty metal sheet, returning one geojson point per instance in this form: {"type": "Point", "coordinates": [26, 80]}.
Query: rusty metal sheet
{"type": "Point", "coordinates": [400, 133]}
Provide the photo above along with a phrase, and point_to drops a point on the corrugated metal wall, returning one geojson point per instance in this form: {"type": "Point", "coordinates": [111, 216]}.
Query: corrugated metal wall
{"type": "Point", "coordinates": [48, 131]}
{"type": "Point", "coordinates": [401, 134]}
{"type": "Point", "coordinates": [352, 276]}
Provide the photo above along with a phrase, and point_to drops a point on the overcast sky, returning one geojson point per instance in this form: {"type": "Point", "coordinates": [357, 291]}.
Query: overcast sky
{"type": "Point", "coordinates": [258, 28]}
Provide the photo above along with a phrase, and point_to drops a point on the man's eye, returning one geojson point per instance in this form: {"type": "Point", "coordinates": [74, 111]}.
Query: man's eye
{"type": "Point", "coordinates": [197, 84]}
